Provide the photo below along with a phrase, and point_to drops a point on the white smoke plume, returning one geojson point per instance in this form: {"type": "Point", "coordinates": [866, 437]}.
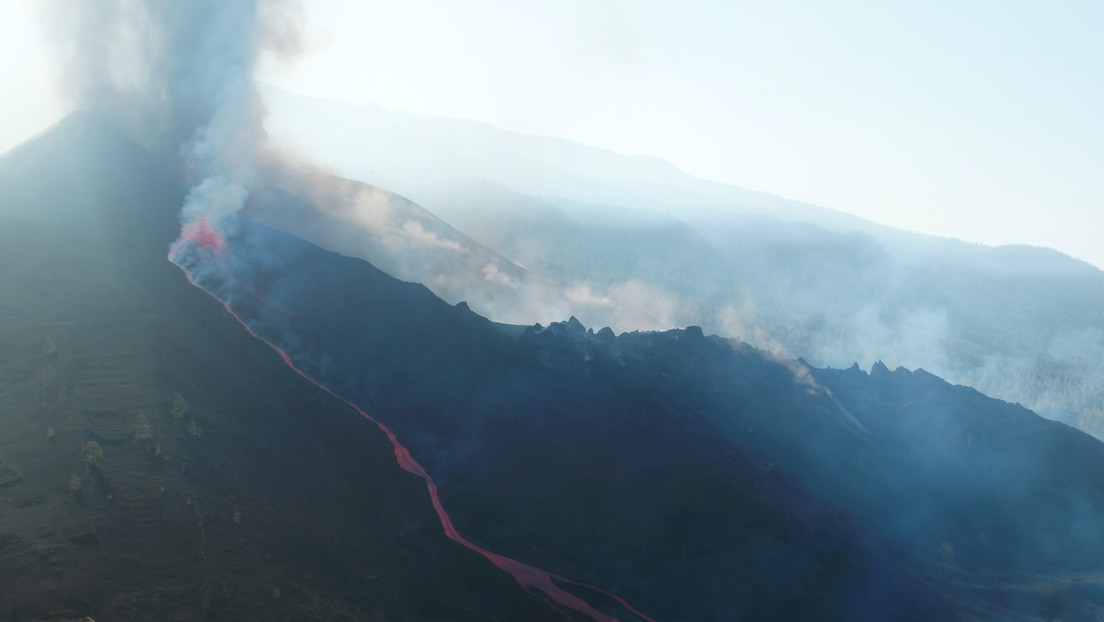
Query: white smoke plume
{"type": "Point", "coordinates": [177, 75]}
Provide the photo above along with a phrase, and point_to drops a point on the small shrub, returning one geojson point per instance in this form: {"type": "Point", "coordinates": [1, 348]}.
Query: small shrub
{"type": "Point", "coordinates": [142, 429]}
{"type": "Point", "coordinates": [179, 406]}
{"type": "Point", "coordinates": [92, 452]}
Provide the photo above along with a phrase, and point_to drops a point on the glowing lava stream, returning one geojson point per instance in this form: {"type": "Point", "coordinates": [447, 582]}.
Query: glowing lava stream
{"type": "Point", "coordinates": [201, 234]}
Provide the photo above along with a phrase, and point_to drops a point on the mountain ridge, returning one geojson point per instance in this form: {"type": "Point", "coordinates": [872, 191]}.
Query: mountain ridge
{"type": "Point", "coordinates": [456, 397]}
{"type": "Point", "coordinates": [283, 103]}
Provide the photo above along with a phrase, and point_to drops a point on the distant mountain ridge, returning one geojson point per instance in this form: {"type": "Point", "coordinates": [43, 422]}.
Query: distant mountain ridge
{"type": "Point", "coordinates": [1022, 323]}
{"type": "Point", "coordinates": [434, 153]}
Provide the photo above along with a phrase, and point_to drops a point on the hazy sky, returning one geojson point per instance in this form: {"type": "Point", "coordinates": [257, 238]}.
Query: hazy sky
{"type": "Point", "coordinates": [969, 118]}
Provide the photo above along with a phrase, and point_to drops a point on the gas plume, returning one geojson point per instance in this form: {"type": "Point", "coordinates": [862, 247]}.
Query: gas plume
{"type": "Point", "coordinates": [178, 77]}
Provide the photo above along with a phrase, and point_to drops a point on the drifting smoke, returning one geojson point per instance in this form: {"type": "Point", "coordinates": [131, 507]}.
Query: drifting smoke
{"type": "Point", "coordinates": [411, 244]}
{"type": "Point", "coordinates": [178, 77]}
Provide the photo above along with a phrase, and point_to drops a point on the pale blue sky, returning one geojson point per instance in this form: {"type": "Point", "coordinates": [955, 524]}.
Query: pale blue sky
{"type": "Point", "coordinates": [975, 119]}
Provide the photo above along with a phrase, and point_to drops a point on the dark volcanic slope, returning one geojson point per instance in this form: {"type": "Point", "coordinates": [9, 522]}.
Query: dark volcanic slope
{"type": "Point", "coordinates": [603, 470]}
{"type": "Point", "coordinates": [699, 478]}
{"type": "Point", "coordinates": [252, 496]}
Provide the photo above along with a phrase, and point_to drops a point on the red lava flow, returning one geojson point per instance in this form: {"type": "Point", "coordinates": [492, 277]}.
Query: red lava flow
{"type": "Point", "coordinates": [530, 578]}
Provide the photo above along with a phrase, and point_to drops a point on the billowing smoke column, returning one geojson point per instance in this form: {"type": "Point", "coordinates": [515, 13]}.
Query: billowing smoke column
{"type": "Point", "coordinates": [178, 76]}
